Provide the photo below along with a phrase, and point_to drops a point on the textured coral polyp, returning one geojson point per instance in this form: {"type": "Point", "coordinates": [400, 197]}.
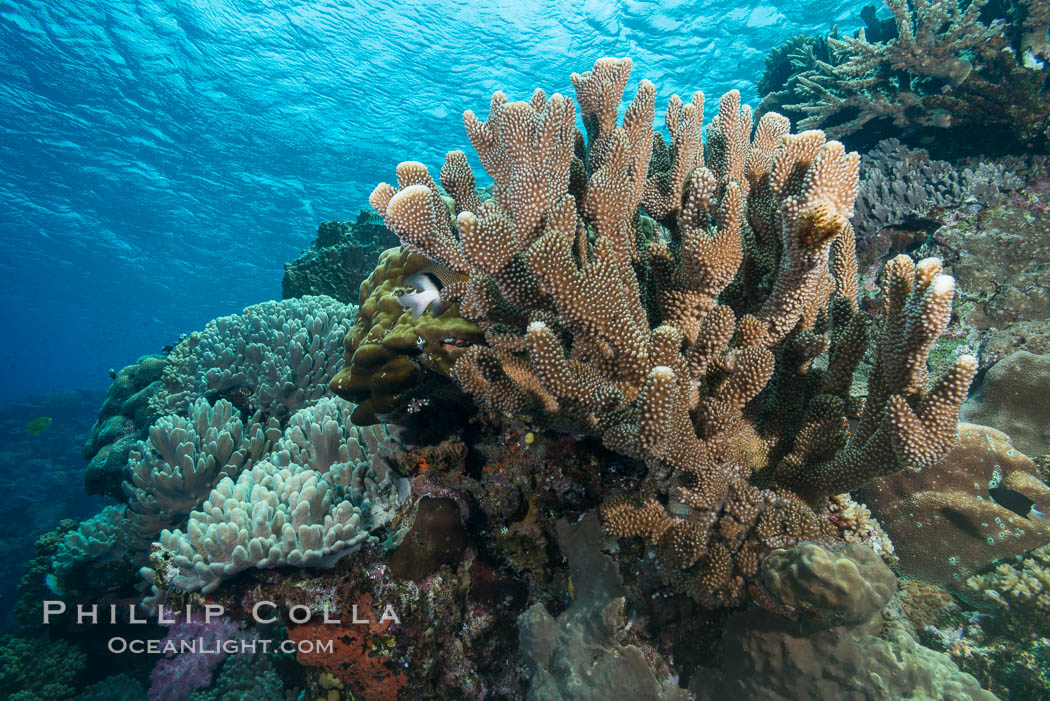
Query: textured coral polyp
{"type": "Point", "coordinates": [673, 300]}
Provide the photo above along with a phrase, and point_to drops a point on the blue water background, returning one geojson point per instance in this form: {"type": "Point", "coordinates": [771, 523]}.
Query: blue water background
{"type": "Point", "coordinates": [161, 160]}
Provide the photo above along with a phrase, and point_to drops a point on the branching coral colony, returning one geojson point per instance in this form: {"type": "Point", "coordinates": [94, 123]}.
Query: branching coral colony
{"type": "Point", "coordinates": [692, 304]}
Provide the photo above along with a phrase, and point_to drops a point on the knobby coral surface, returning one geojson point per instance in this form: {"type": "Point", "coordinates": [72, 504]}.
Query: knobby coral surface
{"type": "Point", "coordinates": [693, 303]}
{"type": "Point", "coordinates": [273, 357]}
{"type": "Point", "coordinates": [317, 494]}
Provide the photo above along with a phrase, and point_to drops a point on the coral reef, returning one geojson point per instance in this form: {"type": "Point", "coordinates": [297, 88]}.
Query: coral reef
{"type": "Point", "coordinates": [272, 358]}
{"type": "Point", "coordinates": [1016, 235]}
{"type": "Point", "coordinates": [944, 523]}
{"type": "Point", "coordinates": [123, 420]}
{"type": "Point", "coordinates": [37, 668]}
{"type": "Point", "coordinates": [1003, 400]}
{"type": "Point", "coordinates": [626, 423]}
{"type": "Point", "coordinates": [1022, 590]}
{"type": "Point", "coordinates": [905, 189]}
{"type": "Point", "coordinates": [587, 652]}
{"type": "Point", "coordinates": [32, 588]}
{"type": "Point", "coordinates": [678, 314]}
{"type": "Point", "coordinates": [943, 72]}
{"type": "Point", "coordinates": [772, 657]}
{"type": "Point", "coordinates": [317, 494]}
{"type": "Point", "coordinates": [243, 677]}
{"type": "Point", "coordinates": [169, 476]}
{"type": "Point", "coordinates": [849, 586]}
{"type": "Point", "coordinates": [177, 674]}
{"type": "Point", "coordinates": [354, 661]}
{"type": "Point", "coordinates": [1004, 641]}
{"type": "Point", "coordinates": [342, 255]}
{"type": "Point", "coordinates": [119, 686]}
{"type": "Point", "coordinates": [390, 347]}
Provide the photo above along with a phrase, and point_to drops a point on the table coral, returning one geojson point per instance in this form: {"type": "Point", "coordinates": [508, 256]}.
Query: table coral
{"type": "Point", "coordinates": [672, 301]}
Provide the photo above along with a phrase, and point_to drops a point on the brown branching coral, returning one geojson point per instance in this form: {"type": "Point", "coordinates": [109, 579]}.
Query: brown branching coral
{"type": "Point", "coordinates": [672, 301]}
{"type": "Point", "coordinates": [944, 65]}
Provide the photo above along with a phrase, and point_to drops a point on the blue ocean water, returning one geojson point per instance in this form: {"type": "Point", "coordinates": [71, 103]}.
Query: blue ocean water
{"type": "Point", "coordinates": [162, 160]}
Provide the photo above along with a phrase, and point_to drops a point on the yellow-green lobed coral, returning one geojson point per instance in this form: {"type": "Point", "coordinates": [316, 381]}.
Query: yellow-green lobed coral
{"type": "Point", "coordinates": [387, 350]}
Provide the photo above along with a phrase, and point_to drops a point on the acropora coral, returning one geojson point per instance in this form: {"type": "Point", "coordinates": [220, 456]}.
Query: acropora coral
{"type": "Point", "coordinates": [693, 305]}
{"type": "Point", "coordinates": [966, 69]}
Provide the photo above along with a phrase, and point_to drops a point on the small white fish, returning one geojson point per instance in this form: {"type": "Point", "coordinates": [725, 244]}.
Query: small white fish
{"type": "Point", "coordinates": [1017, 502]}
{"type": "Point", "coordinates": [52, 583]}
{"type": "Point", "coordinates": [429, 281]}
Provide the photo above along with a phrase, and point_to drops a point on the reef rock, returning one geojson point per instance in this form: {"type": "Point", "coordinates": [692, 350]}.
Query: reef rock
{"type": "Point", "coordinates": [123, 420]}
{"type": "Point", "coordinates": [1013, 399]}
{"type": "Point", "coordinates": [587, 651]}
{"type": "Point", "coordinates": [774, 658]}
{"type": "Point", "coordinates": [943, 521]}
{"type": "Point", "coordinates": [341, 257]}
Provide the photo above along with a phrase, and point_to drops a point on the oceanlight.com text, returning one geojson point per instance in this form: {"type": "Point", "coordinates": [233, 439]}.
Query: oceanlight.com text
{"type": "Point", "coordinates": [120, 645]}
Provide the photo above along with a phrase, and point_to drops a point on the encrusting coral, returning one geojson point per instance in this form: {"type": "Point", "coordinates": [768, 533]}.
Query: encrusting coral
{"type": "Point", "coordinates": [1001, 401]}
{"type": "Point", "coordinates": [849, 586]}
{"type": "Point", "coordinates": [856, 651]}
{"type": "Point", "coordinates": [943, 520]}
{"type": "Point", "coordinates": [390, 347]}
{"type": "Point", "coordinates": [673, 301]}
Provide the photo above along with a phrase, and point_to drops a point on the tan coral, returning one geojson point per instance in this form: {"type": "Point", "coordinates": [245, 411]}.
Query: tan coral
{"type": "Point", "coordinates": [673, 303]}
{"type": "Point", "coordinates": [943, 521]}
